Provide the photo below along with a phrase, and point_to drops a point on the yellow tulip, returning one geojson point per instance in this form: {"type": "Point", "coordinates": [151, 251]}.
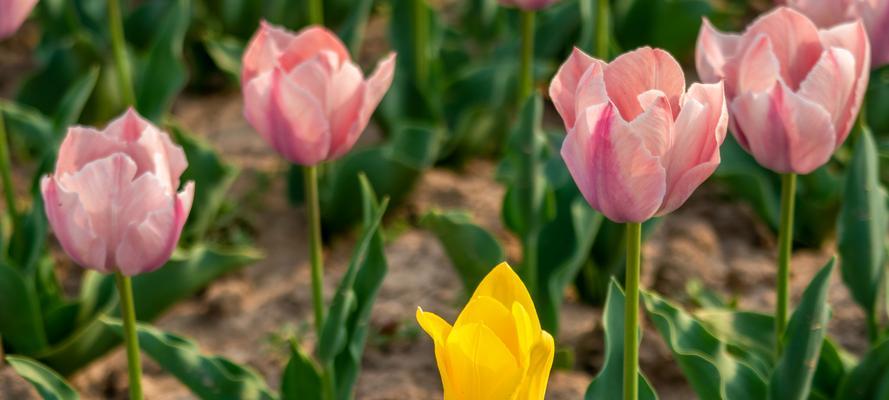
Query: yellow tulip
{"type": "Point", "coordinates": [496, 350]}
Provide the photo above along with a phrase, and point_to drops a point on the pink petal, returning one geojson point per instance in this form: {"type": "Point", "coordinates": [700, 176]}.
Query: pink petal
{"type": "Point", "coordinates": [655, 125]}
{"type": "Point", "coordinates": [699, 131]}
{"type": "Point", "coordinates": [347, 91]}
{"type": "Point", "coordinates": [375, 88]}
{"type": "Point", "coordinates": [82, 145]}
{"type": "Point", "coordinates": [832, 85]}
{"type": "Point", "coordinates": [611, 167]}
{"type": "Point", "coordinates": [263, 51]}
{"type": "Point", "coordinates": [12, 14]}
{"type": "Point", "coordinates": [148, 244]}
{"type": "Point", "coordinates": [759, 68]}
{"type": "Point", "coordinates": [795, 42]}
{"type": "Point", "coordinates": [566, 83]}
{"type": "Point", "coordinates": [784, 131]}
{"type": "Point", "coordinates": [641, 70]}
{"type": "Point", "coordinates": [852, 37]}
{"type": "Point", "coordinates": [825, 13]}
{"type": "Point", "coordinates": [308, 43]}
{"type": "Point", "coordinates": [713, 51]}
{"type": "Point", "coordinates": [287, 117]}
{"type": "Point", "coordinates": [72, 227]}
{"type": "Point", "coordinates": [875, 15]}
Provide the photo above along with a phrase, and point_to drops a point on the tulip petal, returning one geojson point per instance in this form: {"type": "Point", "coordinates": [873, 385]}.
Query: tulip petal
{"type": "Point", "coordinates": [438, 329]}
{"type": "Point", "coordinates": [503, 285]}
{"type": "Point", "coordinates": [308, 43]}
{"type": "Point", "coordinates": [639, 71]}
{"type": "Point", "coordinates": [612, 167]}
{"type": "Point", "coordinates": [832, 85]}
{"type": "Point", "coordinates": [759, 68]}
{"type": "Point", "coordinates": [149, 147]}
{"type": "Point", "coordinates": [493, 314]}
{"type": "Point", "coordinates": [72, 226]}
{"type": "Point", "coordinates": [82, 145]}
{"type": "Point", "coordinates": [287, 117]}
{"type": "Point", "coordinates": [374, 89]}
{"type": "Point", "coordinates": [713, 51]}
{"type": "Point", "coordinates": [534, 385]}
{"type": "Point", "coordinates": [147, 244]}
{"type": "Point", "coordinates": [263, 51]}
{"type": "Point", "coordinates": [795, 42]}
{"type": "Point", "coordinates": [852, 37]}
{"type": "Point", "coordinates": [566, 83]}
{"type": "Point", "coordinates": [785, 132]}
{"type": "Point", "coordinates": [483, 367]}
{"type": "Point", "coordinates": [13, 14]}
{"type": "Point", "coordinates": [699, 132]}
{"type": "Point", "coordinates": [824, 13]}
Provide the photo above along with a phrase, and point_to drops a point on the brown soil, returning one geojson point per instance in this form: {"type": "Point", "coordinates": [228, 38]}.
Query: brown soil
{"type": "Point", "coordinates": [244, 316]}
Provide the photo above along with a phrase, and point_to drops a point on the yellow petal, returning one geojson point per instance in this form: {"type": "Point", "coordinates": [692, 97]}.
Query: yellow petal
{"type": "Point", "coordinates": [534, 385]}
{"type": "Point", "coordinates": [438, 329]}
{"type": "Point", "coordinates": [491, 313]}
{"type": "Point", "coordinates": [483, 367]}
{"type": "Point", "coordinates": [505, 286]}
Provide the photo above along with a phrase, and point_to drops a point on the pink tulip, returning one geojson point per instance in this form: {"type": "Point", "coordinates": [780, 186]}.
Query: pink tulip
{"type": "Point", "coordinates": [112, 201]}
{"type": "Point", "coordinates": [793, 91]}
{"type": "Point", "coordinates": [873, 13]}
{"type": "Point", "coordinates": [638, 143]}
{"type": "Point", "coordinates": [527, 5]}
{"type": "Point", "coordinates": [12, 14]}
{"type": "Point", "coordinates": [305, 96]}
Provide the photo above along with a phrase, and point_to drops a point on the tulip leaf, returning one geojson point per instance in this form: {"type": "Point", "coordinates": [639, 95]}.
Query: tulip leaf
{"type": "Point", "coordinates": [302, 377]}
{"type": "Point", "coordinates": [48, 383]}
{"type": "Point", "coordinates": [473, 251]}
{"type": "Point", "coordinates": [522, 169]}
{"type": "Point", "coordinates": [604, 262]}
{"type": "Point", "coordinates": [863, 227]}
{"type": "Point", "coordinates": [161, 73]}
{"type": "Point", "coordinates": [21, 319]}
{"type": "Point", "coordinates": [870, 379]}
{"type": "Point", "coordinates": [792, 377]}
{"type": "Point", "coordinates": [344, 333]}
{"type": "Point", "coordinates": [608, 383]}
{"type": "Point", "coordinates": [207, 376]}
{"type": "Point", "coordinates": [351, 32]}
{"type": "Point", "coordinates": [226, 53]}
{"type": "Point", "coordinates": [28, 242]}
{"type": "Point", "coordinates": [28, 125]}
{"type": "Point", "coordinates": [154, 292]}
{"type": "Point", "coordinates": [72, 102]}
{"type": "Point", "coordinates": [713, 371]}
{"type": "Point", "coordinates": [877, 98]}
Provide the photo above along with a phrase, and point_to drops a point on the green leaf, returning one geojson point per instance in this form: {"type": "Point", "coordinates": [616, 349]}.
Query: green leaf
{"type": "Point", "coordinates": [154, 292]}
{"type": "Point", "coordinates": [73, 101]}
{"type": "Point", "coordinates": [609, 382]}
{"type": "Point", "coordinates": [870, 379]}
{"type": "Point", "coordinates": [28, 243]}
{"type": "Point", "coordinates": [207, 376]}
{"type": "Point", "coordinates": [713, 371]}
{"type": "Point", "coordinates": [877, 97]}
{"type": "Point", "coordinates": [522, 170]}
{"type": "Point", "coordinates": [29, 126]}
{"type": "Point", "coordinates": [792, 377]}
{"type": "Point", "coordinates": [21, 319]}
{"type": "Point", "coordinates": [352, 30]}
{"type": "Point", "coordinates": [48, 383]}
{"type": "Point", "coordinates": [345, 330]}
{"type": "Point", "coordinates": [863, 226]}
{"type": "Point", "coordinates": [302, 377]}
{"type": "Point", "coordinates": [226, 53]}
{"type": "Point", "coordinates": [161, 73]}
{"type": "Point", "coordinates": [473, 251]}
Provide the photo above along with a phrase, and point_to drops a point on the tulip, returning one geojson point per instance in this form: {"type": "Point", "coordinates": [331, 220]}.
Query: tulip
{"type": "Point", "coordinates": [305, 96]}
{"type": "Point", "coordinates": [873, 13]}
{"type": "Point", "coordinates": [793, 91]}
{"type": "Point", "coordinates": [12, 14]}
{"type": "Point", "coordinates": [496, 350]}
{"type": "Point", "coordinates": [112, 200]}
{"type": "Point", "coordinates": [638, 144]}
{"type": "Point", "coordinates": [527, 5]}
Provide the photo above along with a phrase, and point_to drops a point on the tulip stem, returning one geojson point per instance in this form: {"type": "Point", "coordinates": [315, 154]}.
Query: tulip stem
{"type": "Point", "coordinates": [316, 12]}
{"type": "Point", "coordinates": [420, 25]}
{"type": "Point", "coordinates": [313, 214]}
{"type": "Point", "coordinates": [526, 71]}
{"type": "Point", "coordinates": [603, 30]}
{"type": "Point", "coordinates": [119, 48]}
{"type": "Point", "coordinates": [631, 312]}
{"type": "Point", "coordinates": [6, 174]}
{"type": "Point", "coordinates": [785, 248]}
{"type": "Point", "coordinates": [128, 315]}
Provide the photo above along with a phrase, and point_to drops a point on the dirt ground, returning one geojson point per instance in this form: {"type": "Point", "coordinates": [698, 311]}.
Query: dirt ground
{"type": "Point", "coordinates": [245, 316]}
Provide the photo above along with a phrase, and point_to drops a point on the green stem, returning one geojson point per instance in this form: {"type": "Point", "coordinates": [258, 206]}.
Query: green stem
{"type": "Point", "coordinates": [119, 48]}
{"type": "Point", "coordinates": [6, 175]}
{"type": "Point", "coordinates": [785, 248]}
{"type": "Point", "coordinates": [631, 312]}
{"type": "Point", "coordinates": [420, 26]}
{"type": "Point", "coordinates": [526, 71]}
{"type": "Point", "coordinates": [529, 261]}
{"type": "Point", "coordinates": [316, 12]}
{"type": "Point", "coordinates": [128, 315]}
{"type": "Point", "coordinates": [603, 30]}
{"type": "Point", "coordinates": [313, 212]}
{"type": "Point", "coordinates": [873, 325]}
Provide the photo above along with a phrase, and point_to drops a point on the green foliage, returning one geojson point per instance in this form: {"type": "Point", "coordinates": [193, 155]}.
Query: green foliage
{"type": "Point", "coordinates": [21, 320]}
{"type": "Point", "coordinates": [862, 228]}
{"type": "Point", "coordinates": [609, 382]}
{"type": "Point", "coordinates": [208, 377]}
{"type": "Point", "coordinates": [473, 251]}
{"type": "Point", "coordinates": [870, 378]}
{"type": "Point", "coordinates": [48, 383]}
{"type": "Point", "coordinates": [302, 377]}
